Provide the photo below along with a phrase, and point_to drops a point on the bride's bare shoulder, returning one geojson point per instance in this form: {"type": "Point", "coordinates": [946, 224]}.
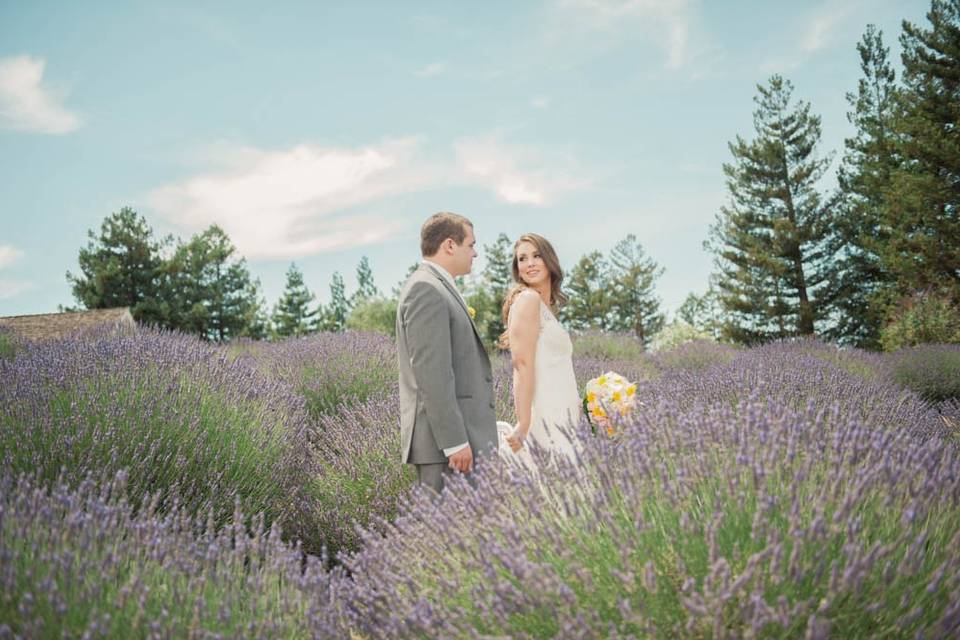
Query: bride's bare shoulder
{"type": "Point", "coordinates": [528, 294]}
{"type": "Point", "coordinates": [525, 305]}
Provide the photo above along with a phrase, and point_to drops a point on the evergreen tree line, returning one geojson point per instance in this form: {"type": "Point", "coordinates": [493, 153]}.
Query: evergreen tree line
{"type": "Point", "coordinates": [204, 287]}
{"type": "Point", "coordinates": [793, 258]}
{"type": "Point", "coordinates": [200, 286]}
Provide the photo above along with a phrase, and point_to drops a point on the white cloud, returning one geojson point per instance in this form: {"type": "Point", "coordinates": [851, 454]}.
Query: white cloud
{"type": "Point", "coordinates": [284, 204]}
{"type": "Point", "coordinates": [432, 69]}
{"type": "Point", "coordinates": [9, 255]}
{"type": "Point", "coordinates": [516, 174]}
{"type": "Point", "coordinates": [309, 199]}
{"type": "Point", "coordinates": [27, 105]}
{"type": "Point", "coordinates": [667, 21]}
{"type": "Point", "coordinates": [819, 29]}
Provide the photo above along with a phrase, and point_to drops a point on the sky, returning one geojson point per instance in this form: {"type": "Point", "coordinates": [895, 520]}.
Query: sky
{"type": "Point", "coordinates": [321, 132]}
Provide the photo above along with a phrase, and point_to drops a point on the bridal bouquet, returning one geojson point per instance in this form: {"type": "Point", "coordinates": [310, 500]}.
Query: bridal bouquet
{"type": "Point", "coordinates": [608, 393]}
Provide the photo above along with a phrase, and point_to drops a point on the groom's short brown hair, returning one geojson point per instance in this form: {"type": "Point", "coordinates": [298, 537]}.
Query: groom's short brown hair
{"type": "Point", "coordinates": [438, 228]}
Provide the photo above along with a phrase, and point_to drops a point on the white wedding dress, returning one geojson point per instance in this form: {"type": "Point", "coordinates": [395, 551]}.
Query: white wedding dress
{"type": "Point", "coordinates": [556, 399]}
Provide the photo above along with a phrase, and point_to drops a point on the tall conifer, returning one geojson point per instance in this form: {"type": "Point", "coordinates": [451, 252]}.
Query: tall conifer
{"type": "Point", "coordinates": [122, 266]}
{"type": "Point", "coordinates": [869, 161]}
{"type": "Point", "coordinates": [635, 306]}
{"type": "Point", "coordinates": [292, 316]}
{"type": "Point", "coordinates": [923, 252]}
{"type": "Point", "coordinates": [771, 241]}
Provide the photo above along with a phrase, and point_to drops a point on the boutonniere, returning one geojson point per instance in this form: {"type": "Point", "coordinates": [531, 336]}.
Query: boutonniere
{"type": "Point", "coordinates": [472, 312]}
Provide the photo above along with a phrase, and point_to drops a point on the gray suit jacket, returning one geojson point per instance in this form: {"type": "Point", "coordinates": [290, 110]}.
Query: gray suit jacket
{"type": "Point", "coordinates": [446, 386]}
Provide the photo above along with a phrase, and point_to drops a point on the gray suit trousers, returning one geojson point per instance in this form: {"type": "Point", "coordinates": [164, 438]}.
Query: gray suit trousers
{"type": "Point", "coordinates": [433, 475]}
{"type": "Point", "coordinates": [436, 475]}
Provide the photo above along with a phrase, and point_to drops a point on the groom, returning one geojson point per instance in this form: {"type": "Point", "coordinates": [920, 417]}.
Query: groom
{"type": "Point", "coordinates": [446, 386]}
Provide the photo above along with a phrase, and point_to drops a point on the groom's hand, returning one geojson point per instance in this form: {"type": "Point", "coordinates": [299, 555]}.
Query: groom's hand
{"type": "Point", "coordinates": [462, 460]}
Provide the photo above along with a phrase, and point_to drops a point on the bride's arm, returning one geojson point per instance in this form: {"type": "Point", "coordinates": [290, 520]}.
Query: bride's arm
{"type": "Point", "coordinates": [524, 331]}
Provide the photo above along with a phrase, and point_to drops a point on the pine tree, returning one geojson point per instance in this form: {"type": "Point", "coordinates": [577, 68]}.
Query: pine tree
{"type": "Point", "coordinates": [498, 271]}
{"type": "Point", "coordinates": [703, 312]}
{"type": "Point", "coordinates": [292, 315]}
{"type": "Point", "coordinates": [497, 280]}
{"type": "Point", "coordinates": [865, 177]}
{"type": "Point", "coordinates": [634, 305]}
{"type": "Point", "coordinates": [366, 289]}
{"type": "Point", "coordinates": [923, 251]}
{"type": "Point", "coordinates": [333, 316]}
{"type": "Point", "coordinates": [122, 267]}
{"type": "Point", "coordinates": [209, 289]}
{"type": "Point", "coordinates": [771, 243]}
{"type": "Point", "coordinates": [589, 288]}
{"type": "Point", "coordinates": [256, 322]}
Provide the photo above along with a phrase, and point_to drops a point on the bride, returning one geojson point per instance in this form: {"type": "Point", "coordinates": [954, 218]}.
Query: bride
{"type": "Point", "coordinates": [545, 393]}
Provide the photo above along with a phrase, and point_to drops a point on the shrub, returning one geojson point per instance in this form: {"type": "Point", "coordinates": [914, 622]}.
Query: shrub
{"type": "Point", "coordinates": [502, 368]}
{"type": "Point", "coordinates": [774, 494]}
{"type": "Point", "coordinates": [168, 409]}
{"type": "Point", "coordinates": [81, 562]}
{"type": "Point", "coordinates": [865, 364]}
{"type": "Point", "coordinates": [759, 519]}
{"type": "Point", "coordinates": [949, 411]}
{"type": "Point", "coordinates": [923, 318]}
{"type": "Point", "coordinates": [335, 370]}
{"type": "Point", "coordinates": [9, 344]}
{"type": "Point", "coordinates": [675, 334]}
{"type": "Point", "coordinates": [609, 346]}
{"type": "Point", "coordinates": [787, 372]}
{"type": "Point", "coordinates": [694, 356]}
{"type": "Point", "coordinates": [360, 479]}
{"type": "Point", "coordinates": [374, 314]}
{"type": "Point", "coordinates": [933, 371]}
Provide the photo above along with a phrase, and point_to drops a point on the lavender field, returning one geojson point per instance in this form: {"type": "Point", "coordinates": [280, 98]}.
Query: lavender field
{"type": "Point", "coordinates": [157, 486]}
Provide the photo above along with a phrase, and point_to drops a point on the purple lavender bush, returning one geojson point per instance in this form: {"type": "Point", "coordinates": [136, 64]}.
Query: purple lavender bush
{"type": "Point", "coordinates": [597, 352]}
{"type": "Point", "coordinates": [502, 368]}
{"type": "Point", "coordinates": [605, 345]}
{"type": "Point", "coordinates": [791, 490]}
{"type": "Point", "coordinates": [335, 370]}
{"type": "Point", "coordinates": [703, 519]}
{"type": "Point", "coordinates": [170, 411]}
{"type": "Point", "coordinates": [865, 364]}
{"type": "Point", "coordinates": [949, 411]}
{"type": "Point", "coordinates": [694, 355]}
{"type": "Point", "coordinates": [931, 370]}
{"type": "Point", "coordinates": [80, 561]}
{"type": "Point", "coordinates": [359, 479]}
{"type": "Point", "coordinates": [789, 372]}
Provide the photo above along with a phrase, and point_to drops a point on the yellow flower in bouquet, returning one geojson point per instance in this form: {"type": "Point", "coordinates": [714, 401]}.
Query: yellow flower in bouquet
{"type": "Point", "coordinates": [610, 392]}
{"type": "Point", "coordinates": [472, 312]}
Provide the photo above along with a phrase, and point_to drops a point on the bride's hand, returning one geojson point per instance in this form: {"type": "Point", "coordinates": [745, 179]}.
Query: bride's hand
{"type": "Point", "coordinates": [515, 439]}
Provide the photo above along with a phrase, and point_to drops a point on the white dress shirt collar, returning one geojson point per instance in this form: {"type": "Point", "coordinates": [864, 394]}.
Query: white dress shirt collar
{"type": "Point", "coordinates": [443, 272]}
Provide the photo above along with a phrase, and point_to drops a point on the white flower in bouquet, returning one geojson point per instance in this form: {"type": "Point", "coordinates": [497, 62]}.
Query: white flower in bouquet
{"type": "Point", "coordinates": [610, 392]}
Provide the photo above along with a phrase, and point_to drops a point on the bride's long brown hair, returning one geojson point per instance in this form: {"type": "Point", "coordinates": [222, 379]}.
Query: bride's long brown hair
{"type": "Point", "coordinates": [550, 260]}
